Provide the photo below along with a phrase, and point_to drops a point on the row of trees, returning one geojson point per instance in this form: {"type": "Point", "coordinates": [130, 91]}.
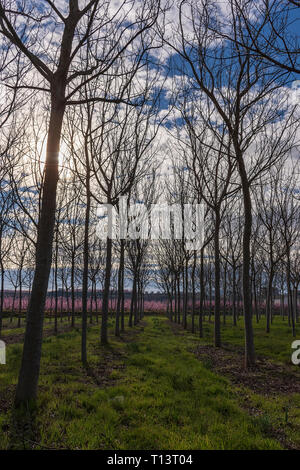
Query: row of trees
{"type": "Point", "coordinates": [189, 278]}
{"type": "Point", "coordinates": [92, 114]}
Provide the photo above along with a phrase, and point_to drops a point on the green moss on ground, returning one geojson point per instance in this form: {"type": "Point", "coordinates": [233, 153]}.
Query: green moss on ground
{"type": "Point", "coordinates": [146, 391]}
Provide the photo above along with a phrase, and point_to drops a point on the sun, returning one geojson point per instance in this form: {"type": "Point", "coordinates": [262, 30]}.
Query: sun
{"type": "Point", "coordinates": [42, 149]}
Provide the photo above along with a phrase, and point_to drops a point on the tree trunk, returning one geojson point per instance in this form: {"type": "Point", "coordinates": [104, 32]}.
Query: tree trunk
{"type": "Point", "coordinates": [55, 282]}
{"type": "Point", "coordinates": [179, 300]}
{"type": "Point", "coordinates": [217, 309]}
{"type": "Point", "coordinates": [249, 339]}
{"type": "Point", "coordinates": [85, 276]}
{"type": "Point", "coordinates": [225, 293]}
{"type": "Point", "coordinates": [30, 366]}
{"type": "Point", "coordinates": [136, 300]}
{"type": "Point", "coordinates": [193, 292]}
{"type": "Point", "coordinates": [13, 304]}
{"type": "Point", "coordinates": [202, 287]}
{"type": "Point", "coordinates": [185, 295]}
{"type": "Point", "coordinates": [73, 289]}
{"type": "Point", "coordinates": [120, 287]}
{"type": "Point", "coordinates": [1, 297]}
{"type": "Point", "coordinates": [269, 301]}
{"type": "Point", "coordinates": [175, 302]}
{"type": "Point", "coordinates": [133, 297]}
{"type": "Point", "coordinates": [2, 282]}
{"type": "Point", "coordinates": [20, 296]}
{"type": "Point", "coordinates": [104, 336]}
{"type": "Point", "coordinates": [290, 295]}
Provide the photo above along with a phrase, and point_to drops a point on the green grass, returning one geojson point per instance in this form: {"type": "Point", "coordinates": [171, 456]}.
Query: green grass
{"type": "Point", "coordinates": [275, 345]}
{"type": "Point", "coordinates": [164, 398]}
{"type": "Point", "coordinates": [11, 328]}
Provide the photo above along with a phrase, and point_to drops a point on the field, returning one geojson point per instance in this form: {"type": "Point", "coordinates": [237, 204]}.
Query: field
{"type": "Point", "coordinates": [157, 387]}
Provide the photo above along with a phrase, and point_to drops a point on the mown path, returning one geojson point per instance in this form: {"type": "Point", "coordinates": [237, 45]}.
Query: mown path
{"type": "Point", "coordinates": [149, 390]}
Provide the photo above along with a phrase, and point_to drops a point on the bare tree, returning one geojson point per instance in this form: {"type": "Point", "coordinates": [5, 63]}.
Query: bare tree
{"type": "Point", "coordinates": [265, 29]}
{"type": "Point", "coordinates": [60, 74]}
{"type": "Point", "coordinates": [237, 86]}
{"type": "Point", "coordinates": [285, 189]}
{"type": "Point", "coordinates": [212, 170]}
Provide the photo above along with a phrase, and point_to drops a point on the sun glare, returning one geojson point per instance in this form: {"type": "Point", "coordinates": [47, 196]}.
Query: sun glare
{"type": "Point", "coordinates": [42, 148]}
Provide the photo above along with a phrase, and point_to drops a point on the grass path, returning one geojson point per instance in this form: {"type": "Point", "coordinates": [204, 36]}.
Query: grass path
{"type": "Point", "coordinates": [145, 391]}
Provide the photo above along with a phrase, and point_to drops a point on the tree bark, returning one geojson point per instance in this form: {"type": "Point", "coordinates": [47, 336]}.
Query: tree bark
{"type": "Point", "coordinates": [249, 339]}
{"type": "Point", "coordinates": [202, 287]}
{"type": "Point", "coordinates": [30, 366]}
{"type": "Point", "coordinates": [104, 336]}
{"type": "Point", "coordinates": [217, 330]}
{"type": "Point", "coordinates": [120, 287]}
{"type": "Point", "coordinates": [85, 270]}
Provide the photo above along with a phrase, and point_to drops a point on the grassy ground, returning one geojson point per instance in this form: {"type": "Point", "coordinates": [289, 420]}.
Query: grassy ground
{"type": "Point", "coordinates": [11, 327]}
{"type": "Point", "coordinates": [276, 344]}
{"type": "Point", "coordinates": [148, 390]}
